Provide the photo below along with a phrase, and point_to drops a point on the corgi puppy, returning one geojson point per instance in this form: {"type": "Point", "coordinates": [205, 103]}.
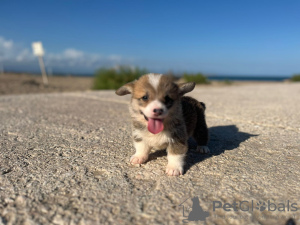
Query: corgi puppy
{"type": "Point", "coordinates": [163, 118]}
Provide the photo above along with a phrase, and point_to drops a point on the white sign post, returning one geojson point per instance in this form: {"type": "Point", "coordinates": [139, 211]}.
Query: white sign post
{"type": "Point", "coordinates": [38, 51]}
{"type": "Point", "coordinates": [1, 64]}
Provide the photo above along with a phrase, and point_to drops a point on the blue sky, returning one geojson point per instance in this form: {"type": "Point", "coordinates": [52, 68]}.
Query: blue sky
{"type": "Point", "coordinates": [214, 37]}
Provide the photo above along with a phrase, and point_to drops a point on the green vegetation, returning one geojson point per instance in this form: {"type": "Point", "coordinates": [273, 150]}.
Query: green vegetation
{"type": "Point", "coordinates": [198, 78]}
{"type": "Point", "coordinates": [228, 82]}
{"type": "Point", "coordinates": [111, 78]}
{"type": "Point", "coordinates": [295, 78]}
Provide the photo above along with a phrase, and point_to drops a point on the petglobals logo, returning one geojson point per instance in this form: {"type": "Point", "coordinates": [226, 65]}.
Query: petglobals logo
{"type": "Point", "coordinates": [195, 212]}
{"type": "Point", "coordinates": [192, 210]}
{"type": "Point", "coordinates": [247, 206]}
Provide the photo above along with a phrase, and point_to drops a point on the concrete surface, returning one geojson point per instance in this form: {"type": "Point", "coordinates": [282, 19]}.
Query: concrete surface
{"type": "Point", "coordinates": [64, 159]}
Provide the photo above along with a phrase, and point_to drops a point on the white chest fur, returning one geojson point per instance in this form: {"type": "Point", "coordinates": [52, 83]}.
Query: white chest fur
{"type": "Point", "coordinates": [156, 141]}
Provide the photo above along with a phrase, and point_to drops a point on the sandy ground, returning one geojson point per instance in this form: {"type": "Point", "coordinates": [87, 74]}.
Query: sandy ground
{"type": "Point", "coordinates": [24, 83]}
{"type": "Point", "coordinates": [64, 159]}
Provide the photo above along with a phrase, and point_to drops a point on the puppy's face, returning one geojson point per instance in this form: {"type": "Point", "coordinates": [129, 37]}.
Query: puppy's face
{"type": "Point", "coordinates": [154, 96]}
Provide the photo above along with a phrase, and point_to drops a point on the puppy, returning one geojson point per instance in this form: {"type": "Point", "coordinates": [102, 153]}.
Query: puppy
{"type": "Point", "coordinates": [163, 119]}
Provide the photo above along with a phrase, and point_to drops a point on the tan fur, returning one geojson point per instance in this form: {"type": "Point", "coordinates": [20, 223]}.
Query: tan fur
{"type": "Point", "coordinates": [183, 117]}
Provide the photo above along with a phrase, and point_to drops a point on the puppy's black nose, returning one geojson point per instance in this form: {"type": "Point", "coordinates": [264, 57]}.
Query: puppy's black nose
{"type": "Point", "coordinates": [158, 111]}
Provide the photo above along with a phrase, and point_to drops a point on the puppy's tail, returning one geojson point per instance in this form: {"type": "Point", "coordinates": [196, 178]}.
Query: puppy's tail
{"type": "Point", "coordinates": [201, 132]}
{"type": "Point", "coordinates": [203, 105]}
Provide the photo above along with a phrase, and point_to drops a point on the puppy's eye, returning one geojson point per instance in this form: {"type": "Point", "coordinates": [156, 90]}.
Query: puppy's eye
{"type": "Point", "coordinates": [145, 97]}
{"type": "Point", "coordinates": [168, 99]}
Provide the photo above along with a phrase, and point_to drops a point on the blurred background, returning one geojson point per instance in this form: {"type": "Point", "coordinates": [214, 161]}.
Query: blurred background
{"type": "Point", "coordinates": [103, 44]}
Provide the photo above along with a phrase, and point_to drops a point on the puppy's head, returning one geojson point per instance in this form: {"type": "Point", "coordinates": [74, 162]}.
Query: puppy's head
{"type": "Point", "coordinates": [154, 97]}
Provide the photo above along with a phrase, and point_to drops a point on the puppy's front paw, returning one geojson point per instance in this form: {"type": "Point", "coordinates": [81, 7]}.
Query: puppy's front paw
{"type": "Point", "coordinates": [203, 149]}
{"type": "Point", "coordinates": [174, 171]}
{"type": "Point", "coordinates": [138, 159]}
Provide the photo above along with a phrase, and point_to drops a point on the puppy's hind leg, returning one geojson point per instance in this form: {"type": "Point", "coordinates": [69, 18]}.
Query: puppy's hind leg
{"type": "Point", "coordinates": [201, 132]}
{"type": "Point", "coordinates": [203, 149]}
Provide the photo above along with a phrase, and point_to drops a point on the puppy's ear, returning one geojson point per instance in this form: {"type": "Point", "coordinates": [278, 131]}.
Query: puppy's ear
{"type": "Point", "coordinates": [125, 89]}
{"type": "Point", "coordinates": [186, 87]}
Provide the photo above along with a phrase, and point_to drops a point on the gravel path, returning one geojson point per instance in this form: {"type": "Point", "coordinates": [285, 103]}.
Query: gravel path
{"type": "Point", "coordinates": [64, 159]}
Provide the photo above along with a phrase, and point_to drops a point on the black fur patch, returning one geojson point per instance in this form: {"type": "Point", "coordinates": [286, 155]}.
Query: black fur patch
{"type": "Point", "coordinates": [168, 102]}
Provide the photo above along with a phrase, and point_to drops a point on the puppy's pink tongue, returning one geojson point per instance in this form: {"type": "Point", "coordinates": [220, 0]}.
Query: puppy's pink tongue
{"type": "Point", "coordinates": [155, 125]}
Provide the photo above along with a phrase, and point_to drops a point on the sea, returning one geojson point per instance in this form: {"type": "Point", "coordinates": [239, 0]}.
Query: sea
{"type": "Point", "coordinates": [210, 77]}
{"type": "Point", "coordinates": [247, 78]}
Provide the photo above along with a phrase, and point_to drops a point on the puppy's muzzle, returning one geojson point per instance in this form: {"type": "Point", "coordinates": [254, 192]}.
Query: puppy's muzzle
{"type": "Point", "coordinates": [158, 112]}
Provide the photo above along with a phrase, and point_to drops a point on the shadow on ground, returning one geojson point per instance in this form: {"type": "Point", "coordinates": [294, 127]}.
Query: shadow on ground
{"type": "Point", "coordinates": [226, 138]}
{"type": "Point", "coordinates": [222, 138]}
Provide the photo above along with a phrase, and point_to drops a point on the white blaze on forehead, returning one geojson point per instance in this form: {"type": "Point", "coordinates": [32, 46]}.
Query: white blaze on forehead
{"type": "Point", "coordinates": [154, 79]}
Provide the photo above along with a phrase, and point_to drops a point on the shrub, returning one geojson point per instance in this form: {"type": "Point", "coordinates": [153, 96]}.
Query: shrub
{"type": "Point", "coordinates": [227, 82]}
{"type": "Point", "coordinates": [198, 78]}
{"type": "Point", "coordinates": [295, 77]}
{"type": "Point", "coordinates": [111, 78]}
